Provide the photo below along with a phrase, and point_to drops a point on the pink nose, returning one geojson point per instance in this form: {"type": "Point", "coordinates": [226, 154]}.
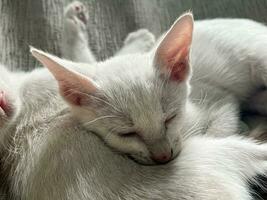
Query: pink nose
{"type": "Point", "coordinates": [162, 157]}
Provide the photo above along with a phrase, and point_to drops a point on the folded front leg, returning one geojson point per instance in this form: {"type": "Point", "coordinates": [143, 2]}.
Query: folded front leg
{"type": "Point", "coordinates": [222, 168]}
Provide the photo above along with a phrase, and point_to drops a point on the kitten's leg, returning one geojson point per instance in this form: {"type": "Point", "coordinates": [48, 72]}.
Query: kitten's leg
{"type": "Point", "coordinates": [224, 121]}
{"type": "Point", "coordinates": [233, 161]}
{"type": "Point", "coordinates": [74, 36]}
{"type": "Point", "coordinates": [140, 41]}
{"type": "Point", "coordinates": [223, 117]}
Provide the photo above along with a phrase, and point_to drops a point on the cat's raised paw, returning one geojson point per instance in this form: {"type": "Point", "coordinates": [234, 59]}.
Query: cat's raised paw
{"type": "Point", "coordinates": [77, 13]}
{"type": "Point", "coordinates": [143, 39]}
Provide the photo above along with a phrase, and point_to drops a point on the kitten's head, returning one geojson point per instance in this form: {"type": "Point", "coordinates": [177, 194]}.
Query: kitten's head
{"type": "Point", "coordinates": [135, 103]}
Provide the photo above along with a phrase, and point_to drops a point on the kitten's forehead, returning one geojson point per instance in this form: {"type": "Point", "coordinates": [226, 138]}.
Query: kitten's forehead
{"type": "Point", "coordinates": [139, 103]}
{"type": "Point", "coordinates": [130, 83]}
{"type": "Point", "coordinates": [132, 95]}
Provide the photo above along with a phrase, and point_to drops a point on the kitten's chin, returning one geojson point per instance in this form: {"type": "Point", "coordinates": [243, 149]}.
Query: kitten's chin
{"type": "Point", "coordinates": [147, 161]}
{"type": "Point", "coordinates": [142, 161]}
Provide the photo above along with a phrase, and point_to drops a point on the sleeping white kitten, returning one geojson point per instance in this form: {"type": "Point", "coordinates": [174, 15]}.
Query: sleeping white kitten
{"type": "Point", "coordinates": [139, 103]}
{"type": "Point", "coordinates": [145, 104]}
{"type": "Point", "coordinates": [51, 153]}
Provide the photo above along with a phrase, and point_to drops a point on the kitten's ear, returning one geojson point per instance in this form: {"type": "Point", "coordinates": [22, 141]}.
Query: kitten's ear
{"type": "Point", "coordinates": [74, 87]}
{"type": "Point", "coordinates": [172, 55]}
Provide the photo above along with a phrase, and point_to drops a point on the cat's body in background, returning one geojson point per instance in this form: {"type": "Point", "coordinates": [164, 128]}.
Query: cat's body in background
{"type": "Point", "coordinates": [52, 156]}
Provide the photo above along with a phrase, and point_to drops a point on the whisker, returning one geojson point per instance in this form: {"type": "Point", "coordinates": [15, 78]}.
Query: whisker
{"type": "Point", "coordinates": [194, 129]}
{"type": "Point", "coordinates": [99, 118]}
{"type": "Point", "coordinates": [109, 133]}
{"type": "Point", "coordinates": [70, 91]}
{"type": "Point", "coordinates": [107, 103]}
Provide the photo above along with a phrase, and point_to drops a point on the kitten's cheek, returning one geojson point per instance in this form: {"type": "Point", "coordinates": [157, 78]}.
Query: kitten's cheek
{"type": "Point", "coordinates": [175, 140]}
{"type": "Point", "coordinates": [141, 155]}
{"type": "Point", "coordinates": [177, 147]}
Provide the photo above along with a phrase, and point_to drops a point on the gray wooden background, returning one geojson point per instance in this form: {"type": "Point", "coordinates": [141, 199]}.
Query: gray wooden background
{"type": "Point", "coordinates": [38, 22]}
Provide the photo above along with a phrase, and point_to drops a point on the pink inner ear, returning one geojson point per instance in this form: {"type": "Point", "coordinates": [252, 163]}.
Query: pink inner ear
{"type": "Point", "coordinates": [71, 94]}
{"type": "Point", "coordinates": [76, 93]}
{"type": "Point", "coordinates": [74, 87]}
{"type": "Point", "coordinates": [172, 55]}
{"type": "Point", "coordinates": [178, 64]}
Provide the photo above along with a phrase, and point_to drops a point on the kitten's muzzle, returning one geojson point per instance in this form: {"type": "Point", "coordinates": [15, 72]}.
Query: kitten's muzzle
{"type": "Point", "coordinates": [162, 158]}
{"type": "Point", "coordinates": [160, 150]}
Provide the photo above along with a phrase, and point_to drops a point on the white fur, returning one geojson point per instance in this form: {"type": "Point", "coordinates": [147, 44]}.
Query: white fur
{"type": "Point", "coordinates": [213, 105]}
{"type": "Point", "coordinates": [51, 154]}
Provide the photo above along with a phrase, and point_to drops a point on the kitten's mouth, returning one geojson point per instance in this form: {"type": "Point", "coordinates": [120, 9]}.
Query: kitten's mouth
{"type": "Point", "coordinates": [148, 162]}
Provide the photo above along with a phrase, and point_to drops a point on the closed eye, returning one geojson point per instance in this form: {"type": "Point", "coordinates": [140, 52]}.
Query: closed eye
{"type": "Point", "coordinates": [169, 119]}
{"type": "Point", "coordinates": [129, 134]}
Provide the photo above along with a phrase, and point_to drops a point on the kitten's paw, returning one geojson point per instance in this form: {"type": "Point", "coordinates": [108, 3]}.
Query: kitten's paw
{"type": "Point", "coordinates": [74, 35]}
{"type": "Point", "coordinates": [142, 39]}
{"type": "Point", "coordinates": [6, 108]}
{"type": "Point", "coordinates": [76, 16]}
